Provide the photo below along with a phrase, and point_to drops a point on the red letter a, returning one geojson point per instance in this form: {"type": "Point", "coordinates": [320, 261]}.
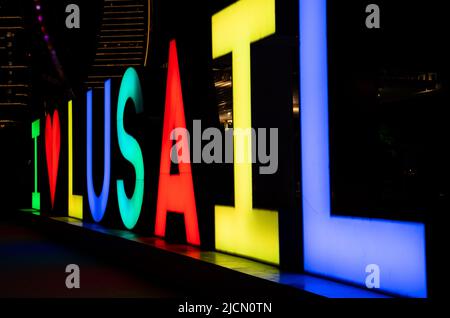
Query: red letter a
{"type": "Point", "coordinates": [175, 192]}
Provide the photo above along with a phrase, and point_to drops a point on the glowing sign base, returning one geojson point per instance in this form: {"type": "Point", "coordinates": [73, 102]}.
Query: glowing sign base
{"type": "Point", "coordinates": [252, 233]}
{"type": "Point", "coordinates": [75, 202]}
{"type": "Point", "coordinates": [342, 247]}
{"type": "Point", "coordinates": [76, 206]}
{"type": "Point", "coordinates": [36, 200]}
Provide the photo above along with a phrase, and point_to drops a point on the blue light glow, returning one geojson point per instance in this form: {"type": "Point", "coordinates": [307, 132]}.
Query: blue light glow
{"type": "Point", "coordinates": [341, 247]}
{"type": "Point", "coordinates": [97, 204]}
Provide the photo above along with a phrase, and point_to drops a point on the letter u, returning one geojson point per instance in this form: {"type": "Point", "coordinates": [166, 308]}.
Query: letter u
{"type": "Point", "coordinates": [98, 204]}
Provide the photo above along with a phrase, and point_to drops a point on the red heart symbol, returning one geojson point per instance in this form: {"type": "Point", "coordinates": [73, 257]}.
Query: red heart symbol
{"type": "Point", "coordinates": [52, 147]}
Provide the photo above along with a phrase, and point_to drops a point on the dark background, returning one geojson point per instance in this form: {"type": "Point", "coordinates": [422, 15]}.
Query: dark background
{"type": "Point", "coordinates": [388, 146]}
{"type": "Point", "coordinates": [388, 136]}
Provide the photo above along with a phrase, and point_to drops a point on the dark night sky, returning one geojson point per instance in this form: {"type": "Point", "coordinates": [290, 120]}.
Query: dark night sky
{"type": "Point", "coordinates": [75, 47]}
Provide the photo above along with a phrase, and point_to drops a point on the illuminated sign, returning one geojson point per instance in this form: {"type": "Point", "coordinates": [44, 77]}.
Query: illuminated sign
{"type": "Point", "coordinates": [255, 232]}
{"type": "Point", "coordinates": [36, 196]}
{"type": "Point", "coordinates": [52, 148]}
{"type": "Point", "coordinates": [97, 204]}
{"type": "Point", "coordinates": [342, 247]}
{"type": "Point", "coordinates": [75, 202]}
{"type": "Point", "coordinates": [130, 209]}
{"type": "Point", "coordinates": [175, 192]}
{"type": "Point", "coordinates": [334, 246]}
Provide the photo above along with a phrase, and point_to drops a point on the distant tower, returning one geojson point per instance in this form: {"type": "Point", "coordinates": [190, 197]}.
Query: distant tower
{"type": "Point", "coordinates": [122, 40]}
{"type": "Point", "coordinates": [15, 72]}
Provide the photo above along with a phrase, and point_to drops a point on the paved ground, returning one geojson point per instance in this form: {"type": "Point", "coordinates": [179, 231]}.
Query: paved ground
{"type": "Point", "coordinates": [33, 266]}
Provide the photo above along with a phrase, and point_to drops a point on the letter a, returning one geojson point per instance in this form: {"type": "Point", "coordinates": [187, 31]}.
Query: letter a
{"type": "Point", "coordinates": [73, 19]}
{"type": "Point", "coordinates": [175, 192]}
{"type": "Point", "coordinates": [373, 19]}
